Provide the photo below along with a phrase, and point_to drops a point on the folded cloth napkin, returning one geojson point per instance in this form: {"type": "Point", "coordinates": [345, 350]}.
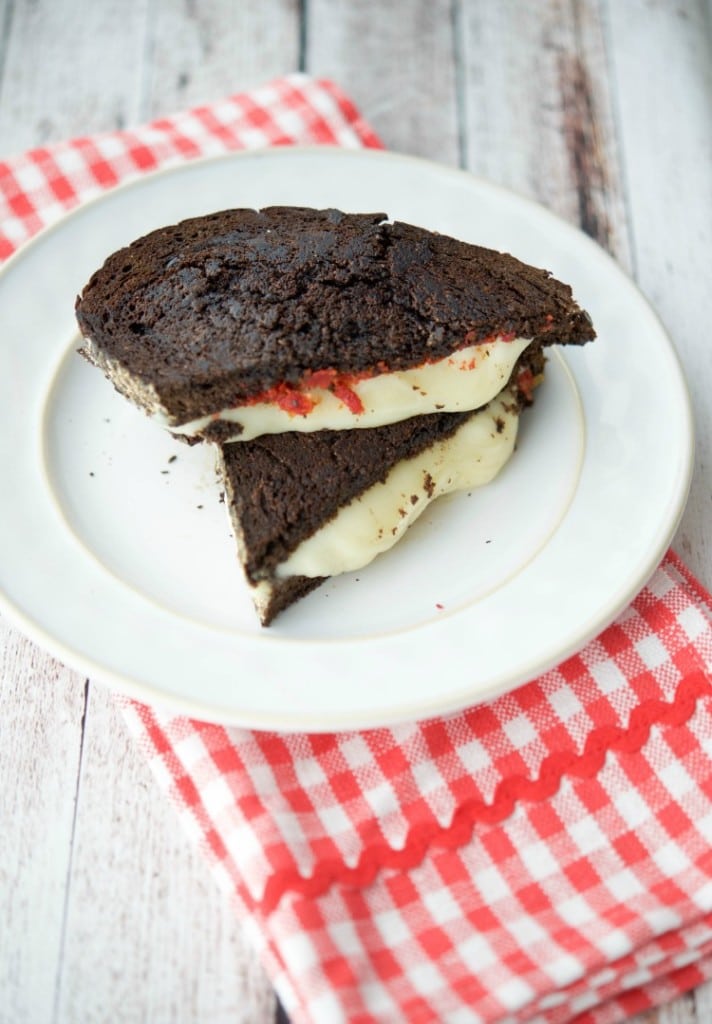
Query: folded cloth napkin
{"type": "Point", "coordinates": [541, 858]}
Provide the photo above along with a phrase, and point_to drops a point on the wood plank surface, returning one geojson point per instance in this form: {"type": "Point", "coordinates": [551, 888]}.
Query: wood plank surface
{"type": "Point", "coordinates": [197, 52]}
{"type": "Point", "coordinates": [555, 140]}
{"type": "Point", "coordinates": [396, 61]}
{"type": "Point", "coordinates": [42, 710]}
{"type": "Point", "coordinates": [599, 109]}
{"type": "Point", "coordinates": [137, 887]}
{"type": "Point", "coordinates": [664, 102]}
{"type": "Point", "coordinates": [58, 80]}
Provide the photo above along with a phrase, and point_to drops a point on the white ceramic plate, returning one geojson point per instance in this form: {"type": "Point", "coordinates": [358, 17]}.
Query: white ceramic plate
{"type": "Point", "coordinates": [116, 550]}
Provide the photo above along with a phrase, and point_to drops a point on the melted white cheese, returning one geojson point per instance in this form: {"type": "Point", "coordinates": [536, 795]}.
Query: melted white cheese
{"type": "Point", "coordinates": [465, 380]}
{"type": "Point", "coordinates": [377, 519]}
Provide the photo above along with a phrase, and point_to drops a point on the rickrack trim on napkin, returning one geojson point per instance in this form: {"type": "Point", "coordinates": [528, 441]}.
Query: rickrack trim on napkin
{"type": "Point", "coordinates": [422, 838]}
{"type": "Point", "coordinates": [681, 649]}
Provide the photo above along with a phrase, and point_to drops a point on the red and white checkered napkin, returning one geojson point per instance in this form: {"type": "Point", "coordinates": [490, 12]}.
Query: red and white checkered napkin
{"type": "Point", "coordinates": [545, 857]}
{"type": "Point", "coordinates": [38, 186]}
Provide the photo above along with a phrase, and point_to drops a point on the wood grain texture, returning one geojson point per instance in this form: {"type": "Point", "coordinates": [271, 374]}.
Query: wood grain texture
{"type": "Point", "coordinates": [41, 719]}
{"type": "Point", "coordinates": [682, 1011]}
{"type": "Point", "coordinates": [197, 52]}
{"type": "Point", "coordinates": [138, 887]}
{"type": "Point", "coordinates": [701, 999]}
{"type": "Point", "coordinates": [58, 81]}
{"type": "Point", "coordinates": [553, 140]}
{"type": "Point", "coordinates": [664, 101]}
{"type": "Point", "coordinates": [396, 61]}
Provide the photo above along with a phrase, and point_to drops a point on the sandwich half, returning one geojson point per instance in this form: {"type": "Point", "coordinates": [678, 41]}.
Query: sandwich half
{"type": "Point", "coordinates": [305, 507]}
{"type": "Point", "coordinates": [349, 369]}
{"type": "Point", "coordinates": [244, 322]}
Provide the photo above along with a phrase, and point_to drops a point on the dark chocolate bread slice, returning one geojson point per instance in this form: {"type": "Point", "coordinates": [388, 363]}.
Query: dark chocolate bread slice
{"type": "Point", "coordinates": [217, 310]}
{"type": "Point", "coordinates": [283, 488]}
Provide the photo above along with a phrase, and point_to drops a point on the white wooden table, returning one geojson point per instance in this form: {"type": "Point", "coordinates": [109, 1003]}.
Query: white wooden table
{"type": "Point", "coordinates": [600, 109]}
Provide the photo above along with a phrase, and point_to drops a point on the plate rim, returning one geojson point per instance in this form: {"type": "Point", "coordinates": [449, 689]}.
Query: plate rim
{"type": "Point", "coordinates": [397, 712]}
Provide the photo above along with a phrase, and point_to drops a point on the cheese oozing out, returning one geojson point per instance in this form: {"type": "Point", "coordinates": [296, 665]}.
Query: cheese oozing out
{"type": "Point", "coordinates": [373, 522]}
{"type": "Point", "coordinates": [465, 380]}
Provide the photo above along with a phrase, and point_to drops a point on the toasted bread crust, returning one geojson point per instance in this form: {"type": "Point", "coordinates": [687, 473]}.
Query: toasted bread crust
{"type": "Point", "coordinates": [218, 309]}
